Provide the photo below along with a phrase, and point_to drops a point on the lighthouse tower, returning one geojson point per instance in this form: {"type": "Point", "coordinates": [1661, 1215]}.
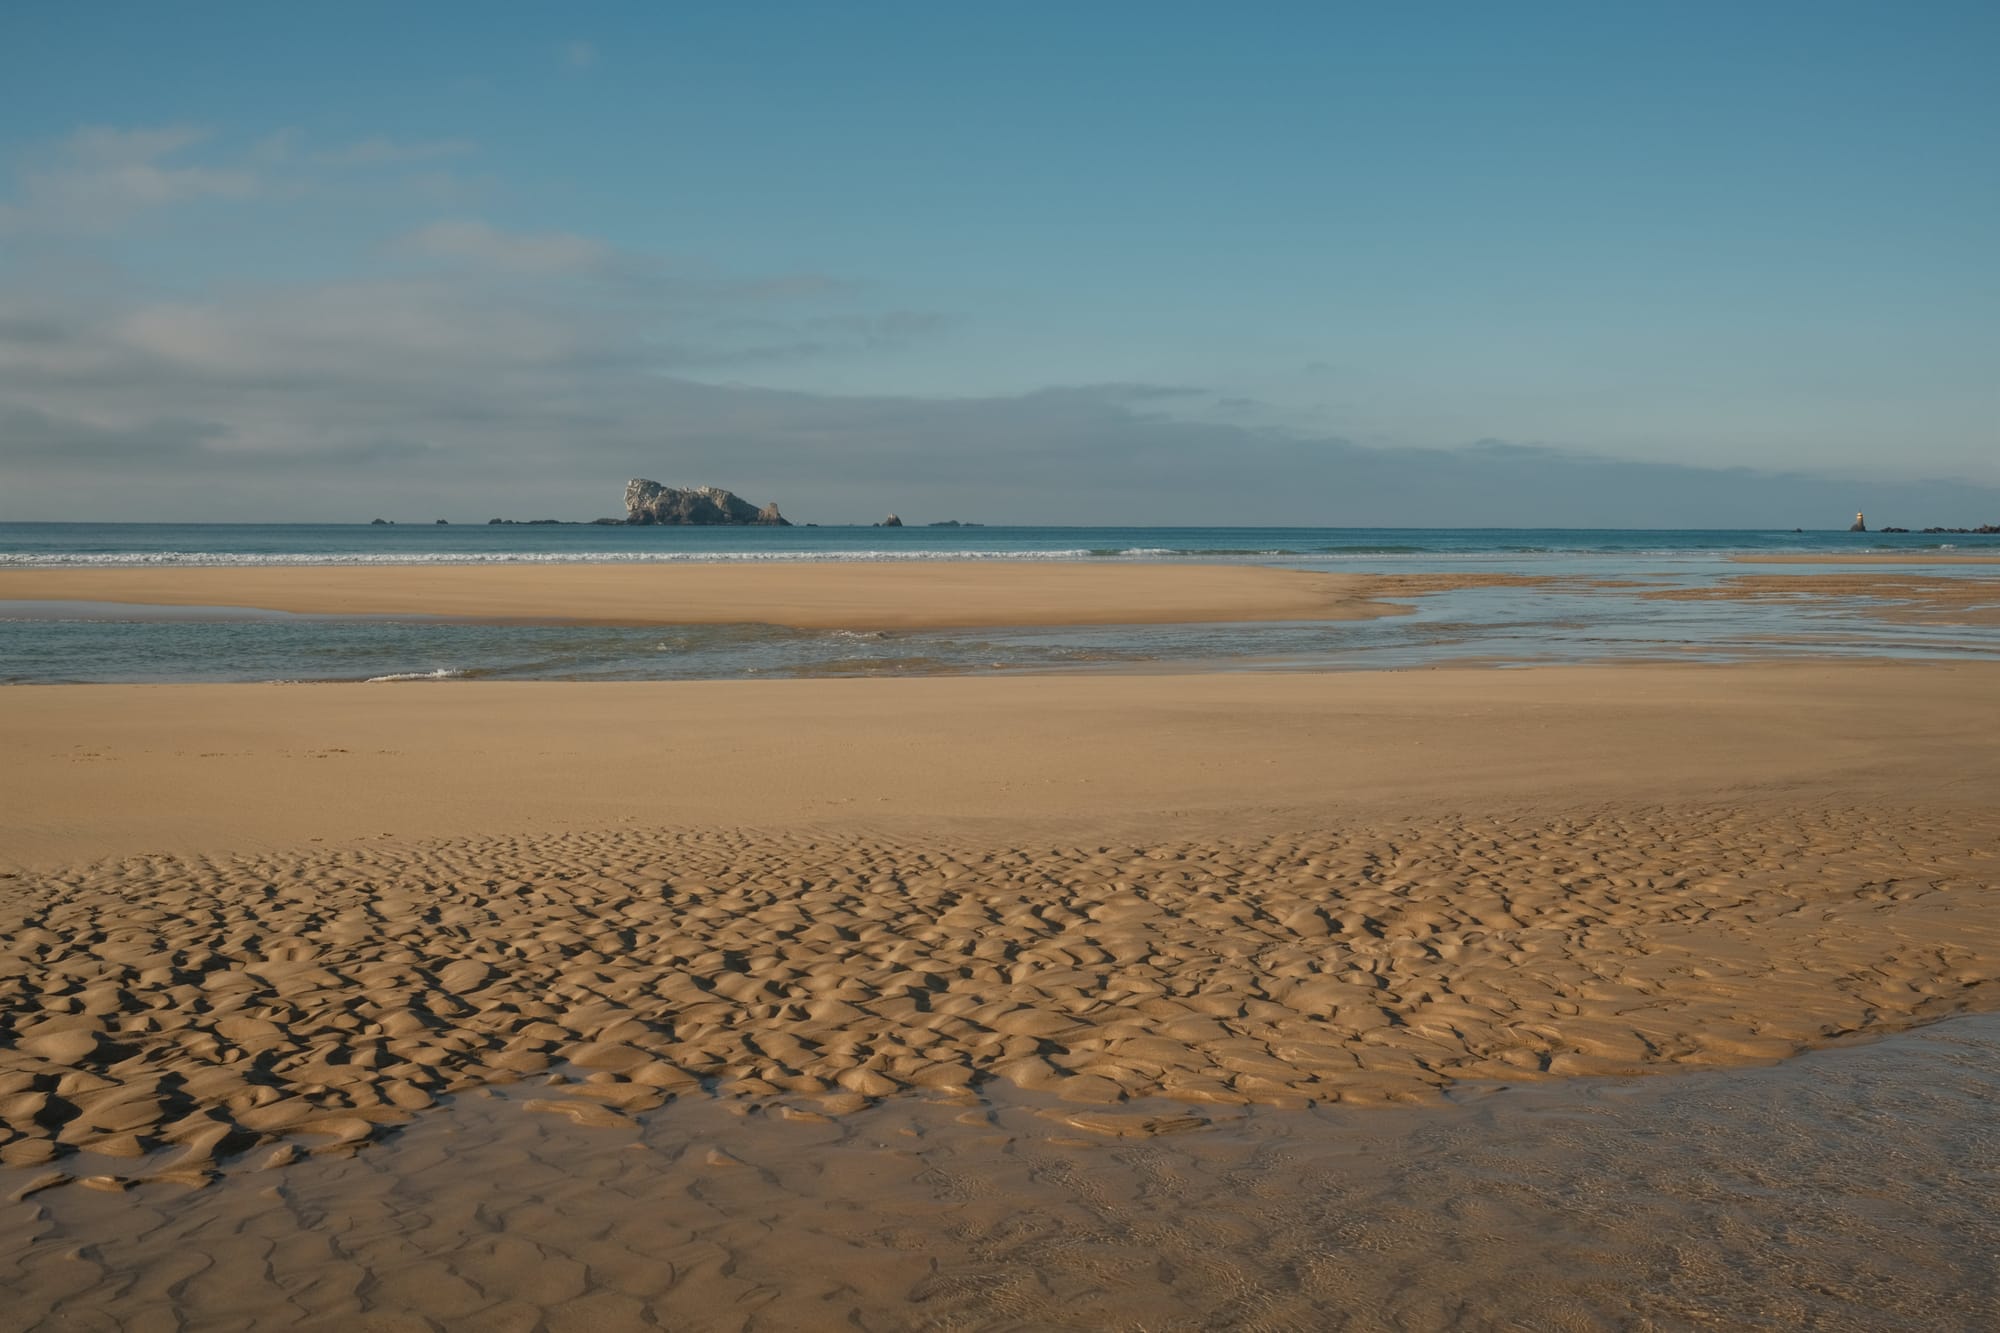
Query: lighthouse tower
{"type": "Point", "coordinates": [1860, 524]}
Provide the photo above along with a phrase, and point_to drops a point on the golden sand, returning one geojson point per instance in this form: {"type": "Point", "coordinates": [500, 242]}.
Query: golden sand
{"type": "Point", "coordinates": [112, 770]}
{"type": "Point", "coordinates": [800, 595]}
{"type": "Point", "coordinates": [1222, 889]}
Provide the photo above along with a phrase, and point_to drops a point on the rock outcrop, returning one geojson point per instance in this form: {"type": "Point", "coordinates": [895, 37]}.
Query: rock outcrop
{"type": "Point", "coordinates": [650, 502]}
{"type": "Point", "coordinates": [890, 522]}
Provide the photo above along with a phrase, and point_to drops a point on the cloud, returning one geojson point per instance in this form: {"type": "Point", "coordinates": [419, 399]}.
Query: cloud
{"type": "Point", "coordinates": [100, 177]}
{"type": "Point", "coordinates": [578, 55]}
{"type": "Point", "coordinates": [364, 330]}
{"type": "Point", "coordinates": [381, 152]}
{"type": "Point", "coordinates": [108, 145]}
{"type": "Point", "coordinates": [475, 242]}
{"type": "Point", "coordinates": [472, 369]}
{"type": "Point", "coordinates": [450, 395]}
{"type": "Point", "coordinates": [275, 148]}
{"type": "Point", "coordinates": [28, 436]}
{"type": "Point", "coordinates": [1515, 449]}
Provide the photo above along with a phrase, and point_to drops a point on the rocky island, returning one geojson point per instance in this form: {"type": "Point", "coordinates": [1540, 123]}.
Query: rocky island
{"type": "Point", "coordinates": [1983, 530]}
{"type": "Point", "coordinates": [650, 502]}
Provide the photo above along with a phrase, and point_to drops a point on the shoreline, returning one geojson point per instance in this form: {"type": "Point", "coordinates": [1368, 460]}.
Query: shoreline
{"type": "Point", "coordinates": [803, 595]}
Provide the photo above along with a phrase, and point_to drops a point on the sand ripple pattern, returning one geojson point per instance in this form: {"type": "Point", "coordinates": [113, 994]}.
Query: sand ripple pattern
{"type": "Point", "coordinates": [173, 1013]}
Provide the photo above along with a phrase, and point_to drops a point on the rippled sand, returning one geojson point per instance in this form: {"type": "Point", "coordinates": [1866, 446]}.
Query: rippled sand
{"type": "Point", "coordinates": [212, 1005]}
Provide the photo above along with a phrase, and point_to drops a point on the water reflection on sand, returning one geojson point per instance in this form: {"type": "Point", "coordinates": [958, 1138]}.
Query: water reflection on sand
{"type": "Point", "coordinates": [1852, 1188]}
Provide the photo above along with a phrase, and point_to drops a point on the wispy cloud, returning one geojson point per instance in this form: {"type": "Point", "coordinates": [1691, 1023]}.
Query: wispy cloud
{"type": "Point", "coordinates": [104, 178]}
{"type": "Point", "coordinates": [578, 55]}
{"type": "Point", "coordinates": [112, 145]}
{"type": "Point", "coordinates": [100, 177]}
{"type": "Point", "coordinates": [479, 243]}
{"type": "Point", "coordinates": [381, 152]}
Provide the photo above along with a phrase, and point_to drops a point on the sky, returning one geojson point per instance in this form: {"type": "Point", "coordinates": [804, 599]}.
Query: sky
{"type": "Point", "coordinates": [1708, 265]}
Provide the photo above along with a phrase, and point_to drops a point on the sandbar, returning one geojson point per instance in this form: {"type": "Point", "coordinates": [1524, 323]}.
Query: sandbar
{"type": "Point", "coordinates": [1921, 598]}
{"type": "Point", "coordinates": [804, 595]}
{"type": "Point", "coordinates": [1868, 558]}
{"type": "Point", "coordinates": [114, 770]}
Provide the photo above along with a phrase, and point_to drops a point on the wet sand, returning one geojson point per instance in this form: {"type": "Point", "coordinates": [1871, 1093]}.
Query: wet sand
{"type": "Point", "coordinates": [1906, 597]}
{"type": "Point", "coordinates": [801, 595]}
{"type": "Point", "coordinates": [1848, 1190]}
{"type": "Point", "coordinates": [1975, 557]}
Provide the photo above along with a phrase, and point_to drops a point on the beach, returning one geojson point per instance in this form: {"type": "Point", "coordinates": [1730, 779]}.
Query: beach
{"type": "Point", "coordinates": [1231, 887]}
{"type": "Point", "coordinates": [701, 669]}
{"type": "Point", "coordinates": [250, 929]}
{"type": "Point", "coordinates": [795, 594]}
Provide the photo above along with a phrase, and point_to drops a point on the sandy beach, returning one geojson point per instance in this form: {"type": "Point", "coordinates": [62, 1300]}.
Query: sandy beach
{"type": "Point", "coordinates": [931, 593]}
{"type": "Point", "coordinates": [241, 914]}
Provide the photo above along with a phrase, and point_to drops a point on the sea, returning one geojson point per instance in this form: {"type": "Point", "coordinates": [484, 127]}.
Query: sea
{"type": "Point", "coordinates": [1572, 617]}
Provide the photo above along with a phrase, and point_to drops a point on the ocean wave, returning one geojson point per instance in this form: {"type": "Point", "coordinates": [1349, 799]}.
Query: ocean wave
{"type": "Point", "coordinates": [1189, 552]}
{"type": "Point", "coordinates": [442, 673]}
{"type": "Point", "coordinates": [130, 559]}
{"type": "Point", "coordinates": [1329, 554]}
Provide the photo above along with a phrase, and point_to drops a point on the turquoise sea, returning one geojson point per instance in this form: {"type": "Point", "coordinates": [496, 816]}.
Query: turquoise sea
{"type": "Point", "coordinates": [1570, 620]}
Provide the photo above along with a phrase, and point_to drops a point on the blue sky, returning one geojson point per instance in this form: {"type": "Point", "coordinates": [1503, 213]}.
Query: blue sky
{"type": "Point", "coordinates": [1201, 262]}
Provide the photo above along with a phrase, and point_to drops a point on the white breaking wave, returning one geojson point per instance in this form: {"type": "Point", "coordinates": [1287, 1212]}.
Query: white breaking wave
{"type": "Point", "coordinates": [442, 673]}
{"type": "Point", "coordinates": [141, 558]}
{"type": "Point", "coordinates": [163, 559]}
